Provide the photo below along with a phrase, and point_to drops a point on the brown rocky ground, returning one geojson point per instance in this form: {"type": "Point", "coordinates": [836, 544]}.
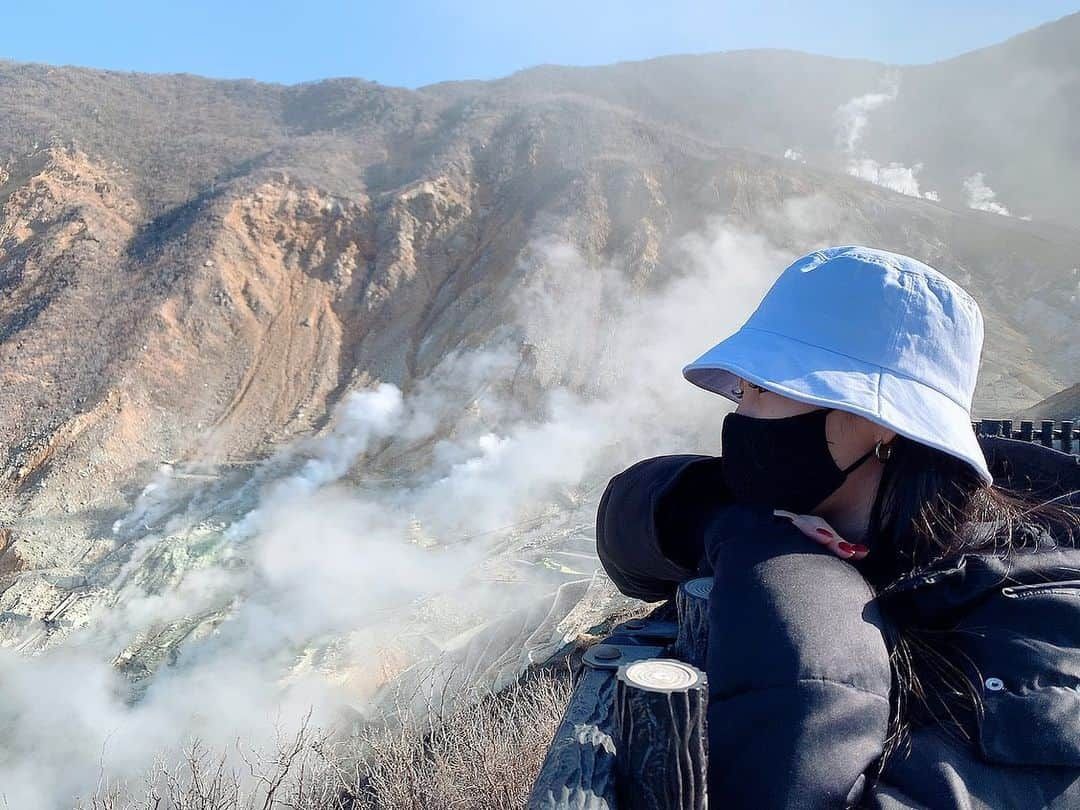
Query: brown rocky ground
{"type": "Point", "coordinates": [196, 273]}
{"type": "Point", "coordinates": [235, 322]}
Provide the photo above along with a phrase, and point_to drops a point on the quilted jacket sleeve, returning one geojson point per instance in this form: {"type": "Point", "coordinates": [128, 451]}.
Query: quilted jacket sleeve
{"type": "Point", "coordinates": [650, 523]}
{"type": "Point", "coordinates": [798, 667]}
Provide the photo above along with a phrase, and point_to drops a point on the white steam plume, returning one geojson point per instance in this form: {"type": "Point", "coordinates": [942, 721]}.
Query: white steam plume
{"type": "Point", "coordinates": [981, 197]}
{"type": "Point", "coordinates": [360, 551]}
{"type": "Point", "coordinates": [891, 175]}
{"type": "Point", "coordinates": [852, 118]}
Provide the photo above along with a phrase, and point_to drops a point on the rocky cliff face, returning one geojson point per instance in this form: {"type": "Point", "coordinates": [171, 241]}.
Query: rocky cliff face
{"type": "Point", "coordinates": [199, 277]}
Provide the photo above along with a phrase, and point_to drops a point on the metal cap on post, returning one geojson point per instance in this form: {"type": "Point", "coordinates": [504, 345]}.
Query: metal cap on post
{"type": "Point", "coordinates": [692, 604]}
{"type": "Point", "coordinates": [661, 746]}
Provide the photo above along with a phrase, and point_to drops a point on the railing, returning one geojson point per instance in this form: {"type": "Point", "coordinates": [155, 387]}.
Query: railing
{"type": "Point", "coordinates": [1049, 434]}
{"type": "Point", "coordinates": [633, 734]}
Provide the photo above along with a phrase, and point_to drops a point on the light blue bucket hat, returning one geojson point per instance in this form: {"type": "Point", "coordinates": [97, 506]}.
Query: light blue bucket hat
{"type": "Point", "coordinates": [867, 331]}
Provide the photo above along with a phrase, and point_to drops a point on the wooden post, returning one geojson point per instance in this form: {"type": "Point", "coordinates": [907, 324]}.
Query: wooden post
{"type": "Point", "coordinates": [1066, 436]}
{"type": "Point", "coordinates": [692, 604]}
{"type": "Point", "coordinates": [1046, 434]}
{"type": "Point", "coordinates": [661, 749]}
{"type": "Point", "coordinates": [579, 768]}
{"type": "Point", "coordinates": [1027, 429]}
{"type": "Point", "coordinates": [578, 771]}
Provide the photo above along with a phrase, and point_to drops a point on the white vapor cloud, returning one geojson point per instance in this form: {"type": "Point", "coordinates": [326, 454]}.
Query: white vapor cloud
{"type": "Point", "coordinates": [360, 554]}
{"type": "Point", "coordinates": [242, 604]}
{"type": "Point", "coordinates": [853, 115]}
{"type": "Point", "coordinates": [895, 176]}
{"type": "Point", "coordinates": [852, 118]}
{"type": "Point", "coordinates": [981, 197]}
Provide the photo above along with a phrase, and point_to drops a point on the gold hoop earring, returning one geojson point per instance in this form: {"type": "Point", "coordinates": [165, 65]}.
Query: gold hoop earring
{"type": "Point", "coordinates": [877, 451]}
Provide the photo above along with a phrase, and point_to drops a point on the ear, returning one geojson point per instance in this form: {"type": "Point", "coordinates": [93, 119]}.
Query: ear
{"type": "Point", "coordinates": [870, 428]}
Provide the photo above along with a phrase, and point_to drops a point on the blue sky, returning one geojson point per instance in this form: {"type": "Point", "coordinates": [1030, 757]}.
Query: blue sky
{"type": "Point", "coordinates": [415, 43]}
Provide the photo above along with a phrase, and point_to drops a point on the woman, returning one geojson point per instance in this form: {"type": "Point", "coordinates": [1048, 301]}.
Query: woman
{"type": "Point", "coordinates": [925, 650]}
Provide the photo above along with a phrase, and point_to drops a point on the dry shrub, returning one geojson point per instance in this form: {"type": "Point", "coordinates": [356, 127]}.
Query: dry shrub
{"type": "Point", "coordinates": [481, 755]}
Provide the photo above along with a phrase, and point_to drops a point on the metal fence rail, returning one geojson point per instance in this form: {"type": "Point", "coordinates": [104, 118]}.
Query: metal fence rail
{"type": "Point", "coordinates": [1064, 435]}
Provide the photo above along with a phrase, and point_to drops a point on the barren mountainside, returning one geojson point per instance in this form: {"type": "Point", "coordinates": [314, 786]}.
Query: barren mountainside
{"type": "Point", "coordinates": [201, 268]}
{"type": "Point", "coordinates": [197, 273]}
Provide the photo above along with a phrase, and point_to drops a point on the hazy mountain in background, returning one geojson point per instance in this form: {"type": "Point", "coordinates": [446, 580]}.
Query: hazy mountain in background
{"type": "Point", "coordinates": [1009, 111]}
{"type": "Point", "coordinates": [1064, 405]}
{"type": "Point", "coordinates": [204, 273]}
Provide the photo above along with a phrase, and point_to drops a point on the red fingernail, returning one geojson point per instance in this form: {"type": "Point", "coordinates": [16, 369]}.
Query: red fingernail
{"type": "Point", "coordinates": [846, 547]}
{"type": "Point", "coordinates": [860, 548]}
{"type": "Point", "coordinates": [824, 532]}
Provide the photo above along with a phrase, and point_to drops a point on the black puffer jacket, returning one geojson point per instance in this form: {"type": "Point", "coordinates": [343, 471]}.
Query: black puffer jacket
{"type": "Point", "coordinates": [800, 679]}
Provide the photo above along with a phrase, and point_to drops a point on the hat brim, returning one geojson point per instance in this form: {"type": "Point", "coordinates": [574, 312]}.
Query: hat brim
{"type": "Point", "coordinates": [821, 376]}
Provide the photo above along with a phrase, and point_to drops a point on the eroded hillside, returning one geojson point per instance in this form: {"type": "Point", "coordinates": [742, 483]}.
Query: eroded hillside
{"type": "Point", "coordinates": [270, 351]}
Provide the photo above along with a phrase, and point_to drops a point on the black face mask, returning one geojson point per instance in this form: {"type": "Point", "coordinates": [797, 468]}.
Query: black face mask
{"type": "Point", "coordinates": [783, 463]}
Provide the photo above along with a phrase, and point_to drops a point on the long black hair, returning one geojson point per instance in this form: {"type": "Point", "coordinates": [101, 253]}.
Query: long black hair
{"type": "Point", "coordinates": [928, 507]}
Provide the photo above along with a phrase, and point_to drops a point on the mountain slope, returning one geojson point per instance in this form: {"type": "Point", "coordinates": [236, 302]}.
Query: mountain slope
{"type": "Point", "coordinates": [239, 319]}
{"type": "Point", "coordinates": [1010, 111]}
{"type": "Point", "coordinates": [319, 380]}
{"type": "Point", "coordinates": [1064, 405]}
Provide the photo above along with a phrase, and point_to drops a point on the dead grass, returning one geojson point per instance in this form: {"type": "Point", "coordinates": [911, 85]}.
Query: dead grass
{"type": "Point", "coordinates": [482, 755]}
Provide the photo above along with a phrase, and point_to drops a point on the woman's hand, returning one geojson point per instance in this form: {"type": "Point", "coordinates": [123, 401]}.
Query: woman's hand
{"type": "Point", "coordinates": [821, 532]}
